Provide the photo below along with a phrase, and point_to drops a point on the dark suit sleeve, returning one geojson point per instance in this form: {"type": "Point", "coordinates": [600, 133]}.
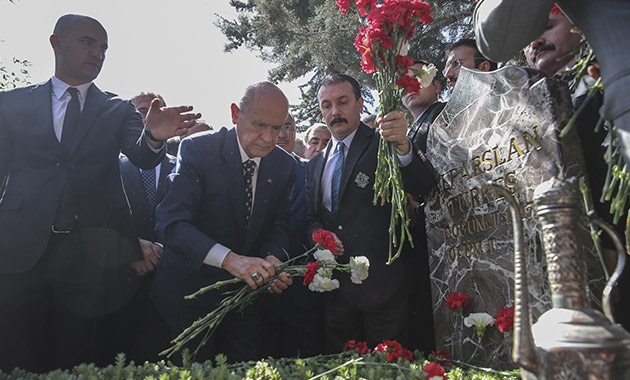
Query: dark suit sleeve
{"type": "Point", "coordinates": [419, 175]}
{"type": "Point", "coordinates": [176, 214]}
{"type": "Point", "coordinates": [312, 188]}
{"type": "Point", "coordinates": [134, 141]}
{"type": "Point", "coordinates": [6, 146]}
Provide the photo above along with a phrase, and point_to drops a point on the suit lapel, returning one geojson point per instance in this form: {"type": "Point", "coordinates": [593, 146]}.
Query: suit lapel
{"type": "Point", "coordinates": [265, 189]}
{"type": "Point", "coordinates": [91, 109]}
{"type": "Point", "coordinates": [359, 144]}
{"type": "Point", "coordinates": [234, 180]}
{"type": "Point", "coordinates": [42, 105]}
{"type": "Point", "coordinates": [165, 170]}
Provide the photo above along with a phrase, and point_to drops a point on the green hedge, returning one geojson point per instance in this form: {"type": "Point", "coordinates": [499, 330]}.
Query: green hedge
{"type": "Point", "coordinates": [343, 366]}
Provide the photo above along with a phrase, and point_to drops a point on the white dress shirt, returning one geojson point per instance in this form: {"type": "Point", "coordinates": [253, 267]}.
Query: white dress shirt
{"type": "Point", "coordinates": [218, 252]}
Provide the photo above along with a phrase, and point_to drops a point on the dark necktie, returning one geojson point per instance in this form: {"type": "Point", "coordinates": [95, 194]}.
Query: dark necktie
{"type": "Point", "coordinates": [71, 120]}
{"type": "Point", "coordinates": [248, 171]}
{"type": "Point", "coordinates": [336, 177]}
{"type": "Point", "coordinates": [148, 178]}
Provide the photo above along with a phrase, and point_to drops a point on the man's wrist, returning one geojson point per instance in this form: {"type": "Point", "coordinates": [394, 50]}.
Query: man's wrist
{"type": "Point", "coordinates": [150, 136]}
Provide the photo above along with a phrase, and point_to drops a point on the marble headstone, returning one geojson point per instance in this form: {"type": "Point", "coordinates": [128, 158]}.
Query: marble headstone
{"type": "Point", "coordinates": [500, 127]}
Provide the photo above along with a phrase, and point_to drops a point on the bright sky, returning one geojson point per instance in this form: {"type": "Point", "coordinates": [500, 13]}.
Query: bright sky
{"type": "Point", "coordinates": [171, 47]}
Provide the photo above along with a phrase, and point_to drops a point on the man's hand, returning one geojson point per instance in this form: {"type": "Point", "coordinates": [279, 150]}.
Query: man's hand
{"type": "Point", "coordinates": [394, 128]}
{"type": "Point", "coordinates": [253, 270]}
{"type": "Point", "coordinates": [151, 251]}
{"type": "Point", "coordinates": [151, 254]}
{"type": "Point", "coordinates": [283, 281]}
{"type": "Point", "coordinates": [339, 251]}
{"type": "Point", "coordinates": [167, 122]}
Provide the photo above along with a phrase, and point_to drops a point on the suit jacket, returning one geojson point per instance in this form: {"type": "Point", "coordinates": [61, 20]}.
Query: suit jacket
{"type": "Point", "coordinates": [39, 174]}
{"type": "Point", "coordinates": [143, 214]}
{"type": "Point", "coordinates": [362, 226]}
{"type": "Point", "coordinates": [205, 205]}
{"type": "Point", "coordinates": [419, 130]}
{"type": "Point", "coordinates": [297, 222]}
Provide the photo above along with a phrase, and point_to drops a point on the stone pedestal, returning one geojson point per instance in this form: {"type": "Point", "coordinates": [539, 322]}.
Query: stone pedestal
{"type": "Point", "coordinates": [500, 127]}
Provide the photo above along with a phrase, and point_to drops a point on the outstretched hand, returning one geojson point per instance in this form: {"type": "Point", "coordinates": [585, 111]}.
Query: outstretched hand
{"type": "Point", "coordinates": [167, 122]}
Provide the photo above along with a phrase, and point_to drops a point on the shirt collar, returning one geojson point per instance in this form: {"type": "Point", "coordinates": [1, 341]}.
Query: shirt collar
{"type": "Point", "coordinates": [59, 87]}
{"type": "Point", "coordinates": [244, 156]}
{"type": "Point", "coordinates": [347, 141]}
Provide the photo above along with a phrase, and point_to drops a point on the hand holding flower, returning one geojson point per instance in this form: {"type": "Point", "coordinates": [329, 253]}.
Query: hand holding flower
{"type": "Point", "coordinates": [394, 128]}
{"type": "Point", "coordinates": [243, 267]}
{"type": "Point", "coordinates": [283, 281]}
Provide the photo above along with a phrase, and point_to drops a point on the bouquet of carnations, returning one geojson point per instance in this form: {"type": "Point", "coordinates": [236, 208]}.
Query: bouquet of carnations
{"type": "Point", "coordinates": [318, 276]}
{"type": "Point", "coordinates": [382, 42]}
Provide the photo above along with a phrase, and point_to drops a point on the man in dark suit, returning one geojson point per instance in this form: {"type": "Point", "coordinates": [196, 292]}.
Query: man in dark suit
{"type": "Point", "coordinates": [144, 334]}
{"type": "Point", "coordinates": [425, 107]}
{"type": "Point", "coordinates": [296, 318]}
{"type": "Point", "coordinates": [377, 309]}
{"type": "Point", "coordinates": [66, 236]}
{"type": "Point", "coordinates": [226, 214]}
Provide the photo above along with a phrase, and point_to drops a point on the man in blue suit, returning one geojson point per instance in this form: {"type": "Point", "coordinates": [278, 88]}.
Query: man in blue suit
{"type": "Point", "coordinates": [66, 235]}
{"type": "Point", "coordinates": [226, 215]}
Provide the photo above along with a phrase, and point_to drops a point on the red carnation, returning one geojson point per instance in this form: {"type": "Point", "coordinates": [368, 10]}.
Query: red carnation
{"type": "Point", "coordinates": [311, 271]}
{"type": "Point", "coordinates": [505, 319]}
{"type": "Point", "coordinates": [433, 369]}
{"type": "Point", "coordinates": [326, 239]}
{"type": "Point", "coordinates": [361, 347]}
{"type": "Point", "coordinates": [457, 301]}
{"type": "Point", "coordinates": [444, 355]}
{"type": "Point", "coordinates": [343, 5]}
{"type": "Point", "coordinates": [394, 350]}
{"type": "Point", "coordinates": [410, 84]}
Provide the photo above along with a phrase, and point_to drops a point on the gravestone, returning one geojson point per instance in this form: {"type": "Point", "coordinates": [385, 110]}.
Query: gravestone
{"type": "Point", "coordinates": [500, 127]}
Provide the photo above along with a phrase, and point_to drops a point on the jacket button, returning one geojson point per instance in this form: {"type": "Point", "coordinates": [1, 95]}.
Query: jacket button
{"type": "Point", "coordinates": [340, 227]}
{"type": "Point", "coordinates": [55, 198]}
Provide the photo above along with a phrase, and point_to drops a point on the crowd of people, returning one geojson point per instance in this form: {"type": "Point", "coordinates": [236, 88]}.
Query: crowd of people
{"type": "Point", "coordinates": [112, 211]}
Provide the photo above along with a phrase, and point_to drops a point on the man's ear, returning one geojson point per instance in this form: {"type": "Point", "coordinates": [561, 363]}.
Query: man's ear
{"type": "Point", "coordinates": [234, 110]}
{"type": "Point", "coordinates": [484, 66]}
{"type": "Point", "coordinates": [55, 43]}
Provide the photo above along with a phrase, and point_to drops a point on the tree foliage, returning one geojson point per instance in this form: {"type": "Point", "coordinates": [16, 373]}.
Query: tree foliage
{"type": "Point", "coordinates": [307, 39]}
{"type": "Point", "coordinates": [10, 78]}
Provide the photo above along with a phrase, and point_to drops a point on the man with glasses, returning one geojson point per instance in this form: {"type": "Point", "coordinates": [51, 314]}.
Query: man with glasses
{"type": "Point", "coordinates": [295, 319]}
{"type": "Point", "coordinates": [464, 53]}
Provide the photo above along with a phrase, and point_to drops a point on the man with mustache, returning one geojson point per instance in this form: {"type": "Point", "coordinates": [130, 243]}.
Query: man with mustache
{"type": "Point", "coordinates": [505, 26]}
{"type": "Point", "coordinates": [551, 52]}
{"type": "Point", "coordinates": [339, 194]}
{"type": "Point", "coordinates": [226, 215]}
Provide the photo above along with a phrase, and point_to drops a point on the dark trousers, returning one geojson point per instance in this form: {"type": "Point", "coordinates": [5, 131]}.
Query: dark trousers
{"type": "Point", "coordinates": [50, 313]}
{"type": "Point", "coordinates": [350, 315]}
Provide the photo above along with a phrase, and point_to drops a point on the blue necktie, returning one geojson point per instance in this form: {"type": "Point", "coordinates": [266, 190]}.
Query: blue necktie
{"type": "Point", "coordinates": [248, 171]}
{"type": "Point", "coordinates": [70, 120]}
{"type": "Point", "coordinates": [336, 177]}
{"type": "Point", "coordinates": [148, 178]}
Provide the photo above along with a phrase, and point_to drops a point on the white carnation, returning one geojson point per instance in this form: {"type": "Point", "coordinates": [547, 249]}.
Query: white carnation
{"type": "Point", "coordinates": [427, 77]}
{"type": "Point", "coordinates": [478, 320]}
{"type": "Point", "coordinates": [359, 267]}
{"type": "Point", "coordinates": [325, 256]}
{"type": "Point", "coordinates": [323, 284]}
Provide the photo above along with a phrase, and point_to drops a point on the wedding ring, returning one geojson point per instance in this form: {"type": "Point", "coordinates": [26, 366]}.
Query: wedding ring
{"type": "Point", "coordinates": [256, 276]}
